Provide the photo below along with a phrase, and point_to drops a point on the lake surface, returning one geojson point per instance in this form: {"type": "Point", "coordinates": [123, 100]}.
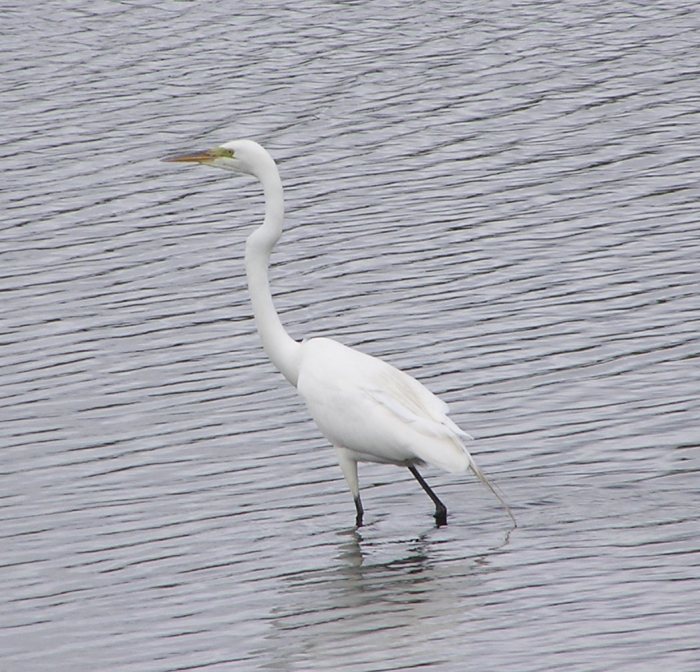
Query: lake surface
{"type": "Point", "coordinates": [502, 201]}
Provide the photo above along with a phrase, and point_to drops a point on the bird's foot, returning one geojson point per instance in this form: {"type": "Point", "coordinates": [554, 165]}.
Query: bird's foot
{"type": "Point", "coordinates": [441, 516]}
{"type": "Point", "coordinates": [360, 511]}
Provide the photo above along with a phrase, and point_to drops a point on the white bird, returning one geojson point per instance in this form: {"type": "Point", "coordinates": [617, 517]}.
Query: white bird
{"type": "Point", "coordinates": [369, 410]}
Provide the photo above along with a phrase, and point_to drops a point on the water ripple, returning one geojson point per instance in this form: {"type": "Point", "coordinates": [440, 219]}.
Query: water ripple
{"type": "Point", "coordinates": [501, 200]}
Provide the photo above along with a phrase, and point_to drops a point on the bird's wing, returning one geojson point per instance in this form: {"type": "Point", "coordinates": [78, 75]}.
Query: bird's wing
{"type": "Point", "coordinates": [412, 403]}
{"type": "Point", "coordinates": [344, 388]}
{"type": "Point", "coordinates": [415, 405]}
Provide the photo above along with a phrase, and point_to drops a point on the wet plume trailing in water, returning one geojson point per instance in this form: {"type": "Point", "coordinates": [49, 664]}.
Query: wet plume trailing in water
{"type": "Point", "coordinates": [502, 202]}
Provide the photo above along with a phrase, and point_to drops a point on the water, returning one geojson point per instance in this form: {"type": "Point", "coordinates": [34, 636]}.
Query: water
{"type": "Point", "coordinates": [502, 201]}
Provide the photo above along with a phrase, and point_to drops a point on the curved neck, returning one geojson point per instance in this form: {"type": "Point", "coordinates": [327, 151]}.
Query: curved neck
{"type": "Point", "coordinates": [280, 347]}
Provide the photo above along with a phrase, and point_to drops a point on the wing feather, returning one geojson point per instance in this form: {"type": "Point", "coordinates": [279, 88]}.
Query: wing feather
{"type": "Point", "coordinates": [413, 403]}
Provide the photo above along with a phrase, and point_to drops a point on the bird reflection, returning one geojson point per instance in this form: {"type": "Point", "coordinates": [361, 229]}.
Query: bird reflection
{"type": "Point", "coordinates": [378, 587]}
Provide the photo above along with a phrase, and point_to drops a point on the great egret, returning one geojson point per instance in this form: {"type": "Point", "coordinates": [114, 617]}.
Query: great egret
{"type": "Point", "coordinates": [369, 410]}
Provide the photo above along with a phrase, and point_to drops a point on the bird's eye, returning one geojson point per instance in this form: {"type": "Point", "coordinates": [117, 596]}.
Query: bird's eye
{"type": "Point", "coordinates": [224, 152]}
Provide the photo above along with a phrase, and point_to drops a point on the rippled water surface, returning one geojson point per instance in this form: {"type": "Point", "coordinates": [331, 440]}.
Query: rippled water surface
{"type": "Point", "coordinates": [501, 200]}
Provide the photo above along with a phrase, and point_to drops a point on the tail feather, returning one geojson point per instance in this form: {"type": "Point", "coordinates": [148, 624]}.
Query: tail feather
{"type": "Point", "coordinates": [482, 477]}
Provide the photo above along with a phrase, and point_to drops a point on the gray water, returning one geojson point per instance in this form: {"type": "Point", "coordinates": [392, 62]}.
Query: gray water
{"type": "Point", "coordinates": [501, 200]}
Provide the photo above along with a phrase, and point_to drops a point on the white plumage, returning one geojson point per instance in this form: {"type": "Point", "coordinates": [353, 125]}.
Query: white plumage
{"type": "Point", "coordinates": [368, 410]}
{"type": "Point", "coordinates": [376, 412]}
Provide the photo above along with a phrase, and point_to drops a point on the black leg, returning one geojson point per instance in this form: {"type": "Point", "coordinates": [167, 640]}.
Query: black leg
{"type": "Point", "coordinates": [360, 511]}
{"type": "Point", "coordinates": [440, 508]}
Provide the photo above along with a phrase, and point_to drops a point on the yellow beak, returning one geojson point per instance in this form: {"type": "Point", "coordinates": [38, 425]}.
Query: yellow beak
{"type": "Point", "coordinates": [200, 157]}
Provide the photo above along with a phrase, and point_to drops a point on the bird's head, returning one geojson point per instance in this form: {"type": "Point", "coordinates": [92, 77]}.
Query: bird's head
{"type": "Point", "coordinates": [238, 156]}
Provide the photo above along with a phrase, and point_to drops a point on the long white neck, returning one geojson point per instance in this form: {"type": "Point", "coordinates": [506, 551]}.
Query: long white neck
{"type": "Point", "coordinates": [281, 348]}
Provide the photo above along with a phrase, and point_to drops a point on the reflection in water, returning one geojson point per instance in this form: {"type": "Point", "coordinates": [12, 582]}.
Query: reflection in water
{"type": "Point", "coordinates": [368, 602]}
